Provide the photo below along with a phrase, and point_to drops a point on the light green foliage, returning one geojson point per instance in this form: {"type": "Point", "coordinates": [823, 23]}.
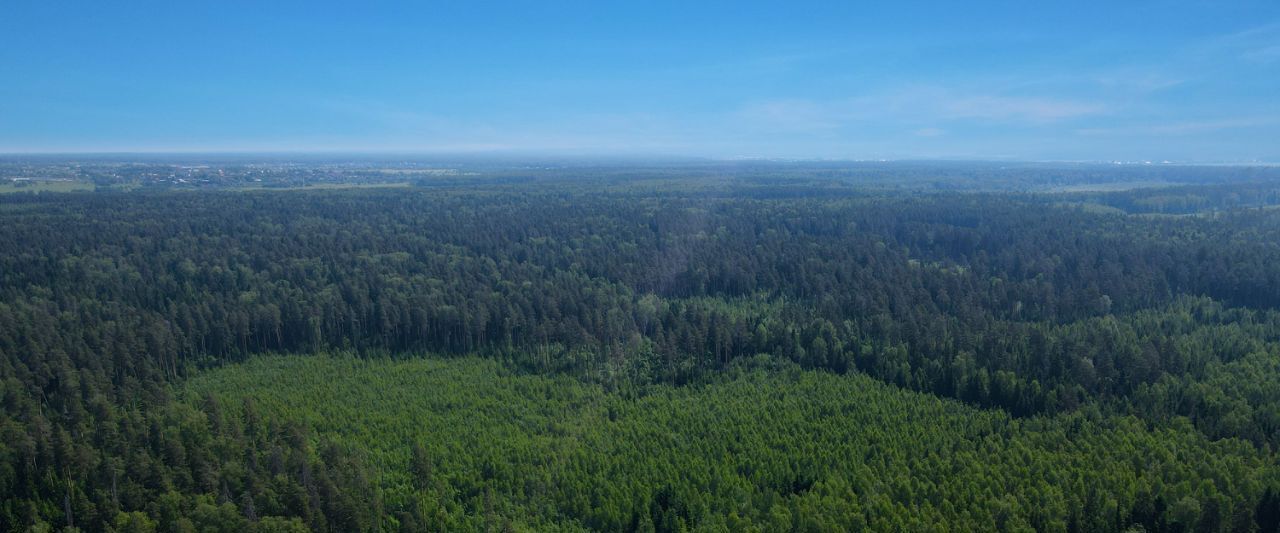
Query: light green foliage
{"type": "Point", "coordinates": [756, 449]}
{"type": "Point", "coordinates": [134, 522]}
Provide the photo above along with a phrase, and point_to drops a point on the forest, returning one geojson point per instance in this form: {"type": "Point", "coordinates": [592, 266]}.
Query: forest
{"type": "Point", "coordinates": [646, 351]}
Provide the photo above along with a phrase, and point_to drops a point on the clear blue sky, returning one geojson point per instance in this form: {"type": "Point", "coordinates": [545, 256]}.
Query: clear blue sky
{"type": "Point", "coordinates": [1025, 80]}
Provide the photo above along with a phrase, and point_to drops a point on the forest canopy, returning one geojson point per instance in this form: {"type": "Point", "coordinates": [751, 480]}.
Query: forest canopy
{"type": "Point", "coordinates": [806, 352]}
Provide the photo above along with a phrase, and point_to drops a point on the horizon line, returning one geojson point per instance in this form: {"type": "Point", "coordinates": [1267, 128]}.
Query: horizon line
{"type": "Point", "coordinates": [586, 155]}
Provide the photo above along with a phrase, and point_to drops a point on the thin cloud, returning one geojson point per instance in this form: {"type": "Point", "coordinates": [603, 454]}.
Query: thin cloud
{"type": "Point", "coordinates": [797, 114]}
{"type": "Point", "coordinates": [1141, 81]}
{"type": "Point", "coordinates": [1268, 54]}
{"type": "Point", "coordinates": [1260, 44]}
{"type": "Point", "coordinates": [1009, 108]}
{"type": "Point", "coordinates": [1183, 128]}
{"type": "Point", "coordinates": [913, 106]}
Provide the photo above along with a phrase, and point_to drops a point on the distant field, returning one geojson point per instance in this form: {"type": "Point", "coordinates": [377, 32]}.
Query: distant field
{"type": "Point", "coordinates": [1095, 208]}
{"type": "Point", "coordinates": [771, 450]}
{"type": "Point", "coordinates": [320, 186]}
{"type": "Point", "coordinates": [1108, 187]}
{"type": "Point", "coordinates": [8, 186]}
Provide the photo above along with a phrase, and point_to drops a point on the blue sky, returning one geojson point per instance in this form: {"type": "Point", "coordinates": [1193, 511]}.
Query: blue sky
{"type": "Point", "coordinates": [1178, 80]}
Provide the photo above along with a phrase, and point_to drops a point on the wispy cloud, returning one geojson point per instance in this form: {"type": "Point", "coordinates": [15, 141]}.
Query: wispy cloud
{"type": "Point", "coordinates": [1184, 127]}
{"type": "Point", "coordinates": [396, 117]}
{"type": "Point", "coordinates": [797, 114]}
{"type": "Point", "coordinates": [1268, 54]}
{"type": "Point", "coordinates": [1015, 108]}
{"type": "Point", "coordinates": [915, 105]}
{"type": "Point", "coordinates": [1259, 44]}
{"type": "Point", "coordinates": [1137, 81]}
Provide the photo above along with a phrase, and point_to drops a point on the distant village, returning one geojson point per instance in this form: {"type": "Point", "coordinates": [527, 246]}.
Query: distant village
{"type": "Point", "coordinates": [20, 175]}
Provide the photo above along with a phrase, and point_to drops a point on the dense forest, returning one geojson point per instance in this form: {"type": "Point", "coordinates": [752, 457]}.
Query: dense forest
{"type": "Point", "coordinates": [642, 354]}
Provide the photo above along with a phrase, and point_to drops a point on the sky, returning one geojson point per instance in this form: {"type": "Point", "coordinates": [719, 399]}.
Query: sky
{"type": "Point", "coordinates": [1188, 81]}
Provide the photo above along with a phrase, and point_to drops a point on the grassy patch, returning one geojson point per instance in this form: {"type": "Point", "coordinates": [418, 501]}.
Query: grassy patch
{"type": "Point", "coordinates": [9, 186]}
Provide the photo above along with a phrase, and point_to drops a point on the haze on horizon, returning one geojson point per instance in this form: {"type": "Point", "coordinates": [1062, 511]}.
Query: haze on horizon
{"type": "Point", "coordinates": [1156, 80]}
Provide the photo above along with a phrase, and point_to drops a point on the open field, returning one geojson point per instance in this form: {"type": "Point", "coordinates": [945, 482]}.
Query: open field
{"type": "Point", "coordinates": [9, 186]}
